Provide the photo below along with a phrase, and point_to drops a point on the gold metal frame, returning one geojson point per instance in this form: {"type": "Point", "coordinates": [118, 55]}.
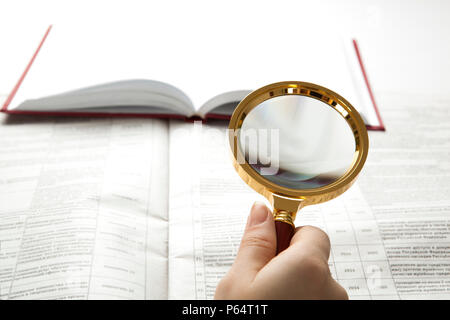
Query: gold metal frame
{"type": "Point", "coordinates": [286, 201]}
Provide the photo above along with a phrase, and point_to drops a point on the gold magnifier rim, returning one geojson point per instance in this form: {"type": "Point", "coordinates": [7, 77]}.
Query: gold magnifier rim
{"type": "Point", "coordinates": [310, 196]}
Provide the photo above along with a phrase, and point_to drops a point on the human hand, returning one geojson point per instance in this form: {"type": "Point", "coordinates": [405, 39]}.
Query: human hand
{"type": "Point", "coordinates": [299, 272]}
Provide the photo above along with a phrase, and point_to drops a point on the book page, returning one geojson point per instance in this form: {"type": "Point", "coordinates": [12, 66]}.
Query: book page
{"type": "Point", "coordinates": [405, 183]}
{"type": "Point", "coordinates": [208, 205]}
{"type": "Point", "coordinates": [389, 232]}
{"type": "Point", "coordinates": [83, 208]}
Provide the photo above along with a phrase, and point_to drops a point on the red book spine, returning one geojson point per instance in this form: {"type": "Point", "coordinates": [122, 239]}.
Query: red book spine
{"type": "Point", "coordinates": [16, 87]}
{"type": "Point", "coordinates": [369, 88]}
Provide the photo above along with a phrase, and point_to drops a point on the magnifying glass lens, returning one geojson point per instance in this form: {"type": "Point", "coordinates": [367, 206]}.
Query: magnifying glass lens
{"type": "Point", "coordinates": [297, 142]}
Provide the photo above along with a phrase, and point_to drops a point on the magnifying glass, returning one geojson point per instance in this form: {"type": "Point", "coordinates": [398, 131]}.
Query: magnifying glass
{"type": "Point", "coordinates": [297, 144]}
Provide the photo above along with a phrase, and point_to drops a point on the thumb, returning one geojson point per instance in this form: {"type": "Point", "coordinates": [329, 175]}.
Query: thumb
{"type": "Point", "coordinates": [259, 242]}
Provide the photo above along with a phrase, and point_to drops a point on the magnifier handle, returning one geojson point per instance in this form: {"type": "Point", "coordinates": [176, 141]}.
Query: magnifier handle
{"type": "Point", "coordinates": [285, 231]}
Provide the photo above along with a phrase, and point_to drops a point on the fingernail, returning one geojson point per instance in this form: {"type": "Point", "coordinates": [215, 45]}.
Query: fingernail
{"type": "Point", "coordinates": [258, 214]}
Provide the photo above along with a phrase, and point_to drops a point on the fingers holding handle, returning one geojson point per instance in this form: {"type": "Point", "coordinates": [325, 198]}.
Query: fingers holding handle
{"type": "Point", "coordinates": [284, 231]}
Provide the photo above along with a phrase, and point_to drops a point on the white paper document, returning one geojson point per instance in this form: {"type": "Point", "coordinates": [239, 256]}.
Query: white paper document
{"type": "Point", "coordinates": [145, 209]}
{"type": "Point", "coordinates": [83, 210]}
{"type": "Point", "coordinates": [389, 232]}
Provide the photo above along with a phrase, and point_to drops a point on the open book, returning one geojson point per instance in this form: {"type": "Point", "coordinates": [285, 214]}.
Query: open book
{"type": "Point", "coordinates": [113, 208]}
{"type": "Point", "coordinates": [57, 81]}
